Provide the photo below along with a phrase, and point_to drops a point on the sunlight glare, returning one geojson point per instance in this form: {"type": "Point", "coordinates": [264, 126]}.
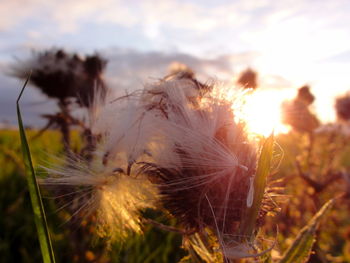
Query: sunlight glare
{"type": "Point", "coordinates": [262, 112]}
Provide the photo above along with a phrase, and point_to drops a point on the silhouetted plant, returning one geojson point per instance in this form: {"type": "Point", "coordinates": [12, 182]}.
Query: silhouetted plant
{"type": "Point", "coordinates": [68, 78]}
{"type": "Point", "coordinates": [297, 113]}
{"type": "Point", "coordinates": [305, 95]}
{"type": "Point", "coordinates": [177, 68]}
{"type": "Point", "coordinates": [248, 79]}
{"type": "Point", "coordinates": [342, 107]}
{"type": "Point", "coordinates": [179, 71]}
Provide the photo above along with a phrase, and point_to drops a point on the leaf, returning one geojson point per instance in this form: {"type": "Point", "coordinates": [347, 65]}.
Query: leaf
{"type": "Point", "coordinates": [300, 250]}
{"type": "Point", "coordinates": [37, 205]}
{"type": "Point", "coordinates": [257, 190]}
{"type": "Point", "coordinates": [185, 259]}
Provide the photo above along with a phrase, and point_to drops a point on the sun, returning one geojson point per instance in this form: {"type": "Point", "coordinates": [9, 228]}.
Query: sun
{"type": "Point", "coordinates": [262, 112]}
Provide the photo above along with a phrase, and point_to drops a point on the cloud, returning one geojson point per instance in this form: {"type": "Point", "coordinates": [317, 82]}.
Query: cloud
{"type": "Point", "coordinates": [197, 16]}
{"type": "Point", "coordinates": [299, 40]}
{"type": "Point", "coordinates": [13, 12]}
{"type": "Point", "coordinates": [342, 57]}
{"type": "Point", "coordinates": [194, 27]}
{"type": "Point", "coordinates": [127, 70]}
{"type": "Point", "coordinates": [69, 15]}
{"type": "Point", "coordinates": [146, 14]}
{"type": "Point", "coordinates": [130, 69]}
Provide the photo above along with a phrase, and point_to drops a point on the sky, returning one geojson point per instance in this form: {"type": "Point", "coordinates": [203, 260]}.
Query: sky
{"type": "Point", "coordinates": [289, 43]}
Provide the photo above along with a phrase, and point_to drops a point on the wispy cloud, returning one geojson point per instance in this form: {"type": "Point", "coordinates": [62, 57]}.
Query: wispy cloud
{"type": "Point", "coordinates": [290, 39]}
{"type": "Point", "coordinates": [127, 70]}
{"type": "Point", "coordinates": [191, 26]}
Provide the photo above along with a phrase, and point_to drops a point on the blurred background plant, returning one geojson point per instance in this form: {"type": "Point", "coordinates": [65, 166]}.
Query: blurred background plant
{"type": "Point", "coordinates": [72, 81]}
{"type": "Point", "coordinates": [248, 79]}
{"type": "Point", "coordinates": [342, 106]}
{"type": "Point", "coordinates": [315, 168]}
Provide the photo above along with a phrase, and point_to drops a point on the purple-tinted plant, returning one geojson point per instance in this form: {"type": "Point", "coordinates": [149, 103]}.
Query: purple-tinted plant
{"type": "Point", "coordinates": [297, 113]}
{"type": "Point", "coordinates": [248, 79]}
{"type": "Point", "coordinates": [177, 147]}
{"type": "Point", "coordinates": [342, 107]}
{"type": "Point", "coordinates": [69, 79]}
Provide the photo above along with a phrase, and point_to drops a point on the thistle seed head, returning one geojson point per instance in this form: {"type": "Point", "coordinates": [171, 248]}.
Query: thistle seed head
{"type": "Point", "coordinates": [106, 193]}
{"type": "Point", "coordinates": [204, 165]}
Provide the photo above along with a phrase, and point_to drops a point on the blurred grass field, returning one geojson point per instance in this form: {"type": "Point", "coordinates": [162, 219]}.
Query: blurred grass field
{"type": "Point", "coordinates": [18, 238]}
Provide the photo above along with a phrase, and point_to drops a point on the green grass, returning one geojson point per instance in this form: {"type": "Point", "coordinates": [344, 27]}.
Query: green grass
{"type": "Point", "coordinates": [19, 242]}
{"type": "Point", "coordinates": [34, 191]}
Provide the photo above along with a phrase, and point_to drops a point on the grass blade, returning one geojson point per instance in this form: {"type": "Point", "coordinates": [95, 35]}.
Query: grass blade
{"type": "Point", "coordinates": [300, 250]}
{"type": "Point", "coordinates": [259, 184]}
{"type": "Point", "coordinates": [37, 205]}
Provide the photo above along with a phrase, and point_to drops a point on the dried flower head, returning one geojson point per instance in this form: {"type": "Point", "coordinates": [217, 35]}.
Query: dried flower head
{"type": "Point", "coordinates": [203, 163]}
{"type": "Point", "coordinates": [177, 68]}
{"type": "Point", "coordinates": [105, 192]}
{"type": "Point", "coordinates": [305, 95]}
{"type": "Point", "coordinates": [342, 106]}
{"type": "Point", "coordinates": [61, 75]}
{"type": "Point", "coordinates": [248, 79]}
{"type": "Point", "coordinates": [297, 113]}
{"type": "Point", "coordinates": [178, 142]}
{"type": "Point", "coordinates": [108, 185]}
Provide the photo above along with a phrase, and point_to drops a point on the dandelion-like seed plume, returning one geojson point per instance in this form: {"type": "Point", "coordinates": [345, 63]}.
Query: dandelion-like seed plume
{"type": "Point", "coordinates": [176, 146]}
{"type": "Point", "coordinates": [107, 193]}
